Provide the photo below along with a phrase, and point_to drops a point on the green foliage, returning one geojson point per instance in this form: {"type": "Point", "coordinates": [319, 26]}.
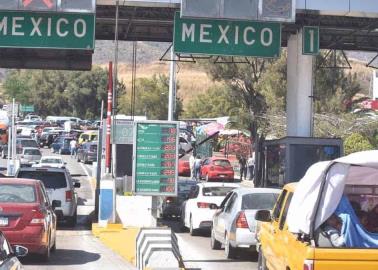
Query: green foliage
{"type": "Point", "coordinates": [151, 98]}
{"type": "Point", "coordinates": [60, 92]}
{"type": "Point", "coordinates": [355, 143]}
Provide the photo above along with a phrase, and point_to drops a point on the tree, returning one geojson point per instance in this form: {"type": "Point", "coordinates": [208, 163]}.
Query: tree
{"type": "Point", "coordinates": [151, 98]}
{"type": "Point", "coordinates": [355, 143]}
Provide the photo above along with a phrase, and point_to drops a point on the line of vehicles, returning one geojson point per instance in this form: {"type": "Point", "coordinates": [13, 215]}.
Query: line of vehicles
{"type": "Point", "coordinates": [42, 194]}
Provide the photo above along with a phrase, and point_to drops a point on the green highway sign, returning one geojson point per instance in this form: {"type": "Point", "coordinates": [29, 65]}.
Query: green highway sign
{"type": "Point", "coordinates": [155, 165]}
{"type": "Point", "coordinates": [123, 132]}
{"type": "Point", "coordinates": [21, 29]}
{"type": "Point", "coordinates": [27, 108]}
{"type": "Point", "coordinates": [222, 37]}
{"type": "Point", "coordinates": [310, 40]}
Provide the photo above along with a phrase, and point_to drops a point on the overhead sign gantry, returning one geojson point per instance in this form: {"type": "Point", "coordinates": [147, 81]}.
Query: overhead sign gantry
{"type": "Point", "coordinates": [47, 34]}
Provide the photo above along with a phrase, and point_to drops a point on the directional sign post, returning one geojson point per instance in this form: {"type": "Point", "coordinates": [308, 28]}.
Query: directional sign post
{"type": "Point", "coordinates": [223, 37]}
{"type": "Point", "coordinates": [310, 36]}
{"type": "Point", "coordinates": [21, 29]}
{"type": "Point", "coordinates": [155, 165]}
{"type": "Point", "coordinates": [27, 108]}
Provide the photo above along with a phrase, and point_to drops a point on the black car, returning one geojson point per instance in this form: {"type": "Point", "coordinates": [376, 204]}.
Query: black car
{"type": "Point", "coordinates": [87, 152]}
{"type": "Point", "coordinates": [8, 255]}
{"type": "Point", "coordinates": [171, 206]}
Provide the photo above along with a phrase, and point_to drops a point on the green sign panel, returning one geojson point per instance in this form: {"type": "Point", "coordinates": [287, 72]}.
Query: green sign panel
{"type": "Point", "coordinates": [27, 108]}
{"type": "Point", "coordinates": [310, 44]}
{"type": "Point", "coordinates": [155, 165]}
{"type": "Point", "coordinates": [222, 37]}
{"type": "Point", "coordinates": [52, 30]}
{"type": "Point", "coordinates": [123, 132]}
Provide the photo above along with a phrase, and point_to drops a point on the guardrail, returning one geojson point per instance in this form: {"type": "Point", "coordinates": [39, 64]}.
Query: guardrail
{"type": "Point", "coordinates": [162, 240]}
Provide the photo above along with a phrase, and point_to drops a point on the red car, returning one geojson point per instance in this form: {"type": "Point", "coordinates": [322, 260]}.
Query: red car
{"type": "Point", "coordinates": [216, 168]}
{"type": "Point", "coordinates": [26, 216]}
{"type": "Point", "coordinates": [183, 168]}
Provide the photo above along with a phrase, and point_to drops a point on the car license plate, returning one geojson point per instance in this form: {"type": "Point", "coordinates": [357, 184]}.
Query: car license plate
{"type": "Point", "coordinates": [3, 221]}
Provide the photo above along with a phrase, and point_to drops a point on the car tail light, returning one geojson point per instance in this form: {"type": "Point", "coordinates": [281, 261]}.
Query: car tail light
{"type": "Point", "coordinates": [308, 265]}
{"type": "Point", "coordinates": [211, 168]}
{"type": "Point", "coordinates": [203, 205]}
{"type": "Point", "coordinates": [69, 196]}
{"type": "Point", "coordinates": [242, 222]}
{"type": "Point", "coordinates": [38, 218]}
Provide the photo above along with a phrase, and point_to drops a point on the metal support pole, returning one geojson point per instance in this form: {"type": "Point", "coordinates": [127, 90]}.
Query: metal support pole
{"type": "Point", "coordinates": [172, 86]}
{"type": "Point", "coordinates": [109, 119]}
{"type": "Point", "coordinates": [115, 78]}
{"type": "Point", "coordinates": [99, 157]}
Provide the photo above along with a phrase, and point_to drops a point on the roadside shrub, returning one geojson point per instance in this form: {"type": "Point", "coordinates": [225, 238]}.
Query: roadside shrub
{"type": "Point", "coordinates": [355, 143]}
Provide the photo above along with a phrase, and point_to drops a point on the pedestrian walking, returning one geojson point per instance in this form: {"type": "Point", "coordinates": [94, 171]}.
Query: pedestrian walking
{"type": "Point", "coordinates": [73, 145]}
{"type": "Point", "coordinates": [192, 160]}
{"type": "Point", "coordinates": [243, 167]}
{"type": "Point", "coordinates": [251, 166]}
{"type": "Point", "coordinates": [197, 166]}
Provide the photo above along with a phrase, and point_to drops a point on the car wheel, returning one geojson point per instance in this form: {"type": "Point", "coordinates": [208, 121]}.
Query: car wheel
{"type": "Point", "coordinates": [46, 255]}
{"type": "Point", "coordinates": [261, 262]}
{"type": "Point", "coordinates": [214, 243]}
{"type": "Point", "coordinates": [229, 250]}
{"type": "Point", "coordinates": [72, 220]}
{"type": "Point", "coordinates": [192, 231]}
{"type": "Point", "coordinates": [85, 159]}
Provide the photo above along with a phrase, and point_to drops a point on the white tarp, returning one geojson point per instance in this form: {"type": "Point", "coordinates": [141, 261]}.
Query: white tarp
{"type": "Point", "coordinates": [302, 209]}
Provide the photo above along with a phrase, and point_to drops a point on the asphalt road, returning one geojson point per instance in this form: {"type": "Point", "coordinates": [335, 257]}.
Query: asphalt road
{"type": "Point", "coordinates": [77, 248]}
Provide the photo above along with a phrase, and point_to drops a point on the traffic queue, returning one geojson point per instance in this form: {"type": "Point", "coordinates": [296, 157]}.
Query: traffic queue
{"type": "Point", "coordinates": [42, 193]}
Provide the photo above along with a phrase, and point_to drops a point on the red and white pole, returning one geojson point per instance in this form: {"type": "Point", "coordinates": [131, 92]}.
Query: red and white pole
{"type": "Point", "coordinates": [109, 118]}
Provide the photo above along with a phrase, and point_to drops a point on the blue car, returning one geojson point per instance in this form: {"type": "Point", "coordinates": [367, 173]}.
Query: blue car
{"type": "Point", "coordinates": [61, 145]}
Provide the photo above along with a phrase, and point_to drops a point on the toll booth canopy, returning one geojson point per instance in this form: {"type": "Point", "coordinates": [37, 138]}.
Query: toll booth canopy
{"type": "Point", "coordinates": [286, 160]}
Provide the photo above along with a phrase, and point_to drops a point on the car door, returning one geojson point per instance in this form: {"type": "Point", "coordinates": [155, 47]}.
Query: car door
{"type": "Point", "coordinates": [220, 227]}
{"type": "Point", "coordinates": [272, 251]}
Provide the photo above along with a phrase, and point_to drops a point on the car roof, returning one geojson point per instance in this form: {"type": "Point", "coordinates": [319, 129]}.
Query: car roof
{"type": "Point", "coordinates": [48, 169]}
{"type": "Point", "coordinates": [55, 157]}
{"type": "Point", "coordinates": [291, 187]}
{"type": "Point", "coordinates": [18, 181]}
{"type": "Point", "coordinates": [218, 158]}
{"type": "Point", "coordinates": [32, 148]}
{"type": "Point", "coordinates": [248, 190]}
{"type": "Point", "coordinates": [219, 184]}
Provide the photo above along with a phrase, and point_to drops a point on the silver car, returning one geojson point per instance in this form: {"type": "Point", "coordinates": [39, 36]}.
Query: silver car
{"type": "Point", "coordinates": [8, 255]}
{"type": "Point", "coordinates": [30, 156]}
{"type": "Point", "coordinates": [234, 224]}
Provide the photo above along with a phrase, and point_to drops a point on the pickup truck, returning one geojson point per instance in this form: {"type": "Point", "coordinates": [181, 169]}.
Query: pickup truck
{"type": "Point", "coordinates": [280, 249]}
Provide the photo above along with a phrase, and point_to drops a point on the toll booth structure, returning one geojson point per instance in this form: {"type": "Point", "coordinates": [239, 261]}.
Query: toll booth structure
{"type": "Point", "coordinates": [286, 160]}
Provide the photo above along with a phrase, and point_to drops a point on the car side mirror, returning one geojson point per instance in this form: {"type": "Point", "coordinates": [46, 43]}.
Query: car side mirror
{"type": "Point", "coordinates": [20, 251]}
{"type": "Point", "coordinates": [77, 185]}
{"type": "Point", "coordinates": [213, 206]}
{"type": "Point", "coordinates": [263, 216]}
{"type": "Point", "coordinates": [56, 203]}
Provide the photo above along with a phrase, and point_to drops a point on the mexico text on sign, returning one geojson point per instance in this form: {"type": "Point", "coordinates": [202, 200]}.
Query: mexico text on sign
{"type": "Point", "coordinates": [47, 30]}
{"type": "Point", "coordinates": [155, 165]}
{"type": "Point", "coordinates": [123, 132]}
{"type": "Point", "coordinates": [222, 37]}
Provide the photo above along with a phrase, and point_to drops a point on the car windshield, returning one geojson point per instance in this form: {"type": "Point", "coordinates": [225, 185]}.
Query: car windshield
{"type": "Point", "coordinates": [259, 201]}
{"type": "Point", "coordinates": [34, 152]}
{"type": "Point", "coordinates": [17, 193]}
{"type": "Point", "coordinates": [51, 160]}
{"type": "Point", "coordinates": [29, 143]}
{"type": "Point", "coordinates": [185, 187]}
{"type": "Point", "coordinates": [52, 180]}
{"type": "Point", "coordinates": [222, 163]}
{"type": "Point", "coordinates": [216, 191]}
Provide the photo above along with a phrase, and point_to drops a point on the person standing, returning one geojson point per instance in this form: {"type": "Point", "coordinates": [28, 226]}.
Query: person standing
{"type": "Point", "coordinates": [73, 145]}
{"type": "Point", "coordinates": [192, 160]}
{"type": "Point", "coordinates": [251, 166]}
{"type": "Point", "coordinates": [243, 167]}
{"type": "Point", "coordinates": [197, 167]}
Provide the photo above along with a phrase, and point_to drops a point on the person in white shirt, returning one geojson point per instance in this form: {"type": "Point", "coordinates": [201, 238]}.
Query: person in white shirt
{"type": "Point", "coordinates": [251, 166]}
{"type": "Point", "coordinates": [73, 145]}
{"type": "Point", "coordinates": [192, 160]}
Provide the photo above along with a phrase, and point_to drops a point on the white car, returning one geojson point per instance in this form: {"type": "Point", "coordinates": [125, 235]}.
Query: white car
{"type": "Point", "coordinates": [204, 199]}
{"type": "Point", "coordinates": [51, 161]}
{"type": "Point", "coordinates": [234, 224]}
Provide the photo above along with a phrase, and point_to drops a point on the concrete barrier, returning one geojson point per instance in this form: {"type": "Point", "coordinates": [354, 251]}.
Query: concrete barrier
{"type": "Point", "coordinates": [157, 248]}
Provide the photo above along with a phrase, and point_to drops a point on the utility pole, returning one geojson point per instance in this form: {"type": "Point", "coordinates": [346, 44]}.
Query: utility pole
{"type": "Point", "coordinates": [99, 161]}
{"type": "Point", "coordinates": [109, 119]}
